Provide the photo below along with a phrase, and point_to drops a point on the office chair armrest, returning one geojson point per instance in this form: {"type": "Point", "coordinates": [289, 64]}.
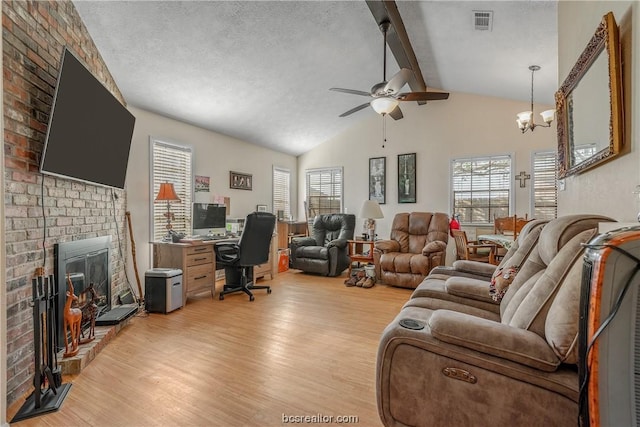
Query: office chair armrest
{"type": "Point", "coordinates": [339, 243]}
{"type": "Point", "coordinates": [226, 251]}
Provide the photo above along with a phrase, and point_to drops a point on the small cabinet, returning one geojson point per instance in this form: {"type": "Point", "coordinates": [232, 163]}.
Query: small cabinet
{"type": "Point", "coordinates": [197, 263]}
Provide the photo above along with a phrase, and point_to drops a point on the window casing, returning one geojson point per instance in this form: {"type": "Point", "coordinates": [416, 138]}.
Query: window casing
{"type": "Point", "coordinates": [544, 191]}
{"type": "Point", "coordinates": [282, 191]}
{"type": "Point", "coordinates": [171, 163]}
{"type": "Point", "coordinates": [324, 190]}
{"type": "Point", "coordinates": [481, 188]}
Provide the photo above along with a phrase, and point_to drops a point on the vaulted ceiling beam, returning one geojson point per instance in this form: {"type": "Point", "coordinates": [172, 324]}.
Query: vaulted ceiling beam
{"type": "Point", "coordinates": [398, 41]}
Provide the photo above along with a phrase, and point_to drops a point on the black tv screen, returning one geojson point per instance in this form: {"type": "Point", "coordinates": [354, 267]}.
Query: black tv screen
{"type": "Point", "coordinates": [89, 132]}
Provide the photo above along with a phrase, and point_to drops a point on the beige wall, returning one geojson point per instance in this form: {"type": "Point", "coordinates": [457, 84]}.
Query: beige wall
{"type": "Point", "coordinates": [607, 189]}
{"type": "Point", "coordinates": [465, 125]}
{"type": "Point", "coordinates": [214, 156]}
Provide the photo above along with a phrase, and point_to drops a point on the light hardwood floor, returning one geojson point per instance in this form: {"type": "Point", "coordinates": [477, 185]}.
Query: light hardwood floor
{"type": "Point", "coordinates": [309, 348]}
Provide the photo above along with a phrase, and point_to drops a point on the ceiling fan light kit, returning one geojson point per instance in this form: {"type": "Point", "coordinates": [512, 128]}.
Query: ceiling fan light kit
{"type": "Point", "coordinates": [384, 105]}
{"type": "Point", "coordinates": [525, 119]}
{"type": "Point", "coordinates": [386, 95]}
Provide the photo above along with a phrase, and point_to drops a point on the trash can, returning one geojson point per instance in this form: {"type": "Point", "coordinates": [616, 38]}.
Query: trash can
{"type": "Point", "coordinates": [283, 260]}
{"type": "Point", "coordinates": [162, 290]}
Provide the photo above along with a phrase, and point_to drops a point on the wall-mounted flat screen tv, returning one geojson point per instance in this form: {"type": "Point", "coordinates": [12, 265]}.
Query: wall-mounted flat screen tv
{"type": "Point", "coordinates": [89, 132]}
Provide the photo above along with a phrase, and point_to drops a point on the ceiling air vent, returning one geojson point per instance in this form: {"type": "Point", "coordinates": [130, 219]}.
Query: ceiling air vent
{"type": "Point", "coordinates": [482, 20]}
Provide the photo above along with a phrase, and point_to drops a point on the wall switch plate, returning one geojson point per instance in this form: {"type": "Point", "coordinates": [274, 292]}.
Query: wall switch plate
{"type": "Point", "coordinates": [561, 185]}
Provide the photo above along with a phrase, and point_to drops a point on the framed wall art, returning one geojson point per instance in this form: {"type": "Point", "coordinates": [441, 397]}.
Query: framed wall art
{"type": "Point", "coordinates": [407, 178]}
{"type": "Point", "coordinates": [261, 208]}
{"type": "Point", "coordinates": [240, 181]}
{"type": "Point", "coordinates": [377, 179]}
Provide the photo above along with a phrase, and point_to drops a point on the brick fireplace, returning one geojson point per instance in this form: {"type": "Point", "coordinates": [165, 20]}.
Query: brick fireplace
{"type": "Point", "coordinates": [86, 262]}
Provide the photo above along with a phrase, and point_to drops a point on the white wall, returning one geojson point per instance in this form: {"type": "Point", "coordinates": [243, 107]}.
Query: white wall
{"type": "Point", "coordinates": [607, 189]}
{"type": "Point", "coordinates": [465, 125]}
{"type": "Point", "coordinates": [214, 156]}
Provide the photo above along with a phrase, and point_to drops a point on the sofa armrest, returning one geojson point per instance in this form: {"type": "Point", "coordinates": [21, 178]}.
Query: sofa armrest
{"type": "Point", "coordinates": [339, 243]}
{"type": "Point", "coordinates": [475, 267]}
{"type": "Point", "coordinates": [435, 246]}
{"type": "Point", "coordinates": [304, 241]}
{"type": "Point", "coordinates": [493, 338]}
{"type": "Point", "coordinates": [469, 288]}
{"type": "Point", "coordinates": [385, 246]}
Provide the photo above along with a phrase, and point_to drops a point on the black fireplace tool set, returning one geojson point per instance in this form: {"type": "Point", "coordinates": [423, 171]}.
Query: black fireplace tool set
{"type": "Point", "coordinates": [49, 392]}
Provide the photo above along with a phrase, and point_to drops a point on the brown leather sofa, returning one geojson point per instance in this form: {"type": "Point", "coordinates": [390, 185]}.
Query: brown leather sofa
{"type": "Point", "coordinates": [455, 357]}
{"type": "Point", "coordinates": [418, 243]}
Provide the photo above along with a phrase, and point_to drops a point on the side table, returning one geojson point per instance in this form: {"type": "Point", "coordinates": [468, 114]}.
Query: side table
{"type": "Point", "coordinates": [358, 253]}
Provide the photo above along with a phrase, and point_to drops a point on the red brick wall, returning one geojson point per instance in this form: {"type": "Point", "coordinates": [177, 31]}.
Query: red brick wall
{"type": "Point", "coordinates": [34, 35]}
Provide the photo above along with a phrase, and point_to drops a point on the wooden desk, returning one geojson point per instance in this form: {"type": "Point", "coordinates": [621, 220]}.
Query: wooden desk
{"type": "Point", "coordinates": [357, 252]}
{"type": "Point", "coordinates": [198, 264]}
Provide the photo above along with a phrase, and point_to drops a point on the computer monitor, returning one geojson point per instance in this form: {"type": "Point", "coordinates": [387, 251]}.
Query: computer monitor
{"type": "Point", "coordinates": [209, 218]}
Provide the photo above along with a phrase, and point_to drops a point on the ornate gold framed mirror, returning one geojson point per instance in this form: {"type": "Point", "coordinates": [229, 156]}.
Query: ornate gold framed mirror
{"type": "Point", "coordinates": [589, 104]}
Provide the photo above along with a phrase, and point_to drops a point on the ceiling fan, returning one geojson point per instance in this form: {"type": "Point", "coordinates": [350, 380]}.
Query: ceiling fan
{"type": "Point", "coordinates": [386, 93]}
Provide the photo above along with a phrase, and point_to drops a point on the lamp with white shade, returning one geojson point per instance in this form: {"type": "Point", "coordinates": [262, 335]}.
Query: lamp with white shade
{"type": "Point", "coordinates": [371, 211]}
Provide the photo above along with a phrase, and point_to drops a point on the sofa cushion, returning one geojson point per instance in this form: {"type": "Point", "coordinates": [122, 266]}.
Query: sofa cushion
{"type": "Point", "coordinates": [313, 252]}
{"type": "Point", "coordinates": [399, 262]}
{"type": "Point", "coordinates": [529, 310]}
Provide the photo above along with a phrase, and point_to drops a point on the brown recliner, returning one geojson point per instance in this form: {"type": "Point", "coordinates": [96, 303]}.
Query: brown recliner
{"type": "Point", "coordinates": [418, 243]}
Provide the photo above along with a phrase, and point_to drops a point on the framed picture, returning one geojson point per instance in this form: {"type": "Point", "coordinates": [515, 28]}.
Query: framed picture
{"type": "Point", "coordinates": [202, 184]}
{"type": "Point", "coordinates": [240, 181]}
{"type": "Point", "coordinates": [261, 208]}
{"type": "Point", "coordinates": [377, 179]}
{"type": "Point", "coordinates": [407, 178]}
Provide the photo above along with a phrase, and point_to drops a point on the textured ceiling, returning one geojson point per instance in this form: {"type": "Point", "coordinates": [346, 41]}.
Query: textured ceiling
{"type": "Point", "coordinates": [260, 71]}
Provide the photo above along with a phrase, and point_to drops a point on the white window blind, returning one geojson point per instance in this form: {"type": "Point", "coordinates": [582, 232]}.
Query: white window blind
{"type": "Point", "coordinates": [171, 163]}
{"type": "Point", "coordinates": [324, 191]}
{"type": "Point", "coordinates": [282, 191]}
{"type": "Point", "coordinates": [544, 190]}
{"type": "Point", "coordinates": [482, 188]}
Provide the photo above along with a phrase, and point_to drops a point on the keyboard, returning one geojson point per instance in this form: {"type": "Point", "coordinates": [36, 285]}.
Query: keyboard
{"type": "Point", "coordinates": [208, 238]}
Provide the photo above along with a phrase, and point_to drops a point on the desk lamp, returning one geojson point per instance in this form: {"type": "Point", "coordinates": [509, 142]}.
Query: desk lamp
{"type": "Point", "coordinates": [167, 193]}
{"type": "Point", "coordinates": [371, 211]}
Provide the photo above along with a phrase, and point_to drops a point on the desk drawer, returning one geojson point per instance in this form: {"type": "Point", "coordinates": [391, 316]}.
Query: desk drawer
{"type": "Point", "coordinates": [199, 249]}
{"type": "Point", "coordinates": [199, 259]}
{"type": "Point", "coordinates": [200, 275]}
{"type": "Point", "coordinates": [260, 269]}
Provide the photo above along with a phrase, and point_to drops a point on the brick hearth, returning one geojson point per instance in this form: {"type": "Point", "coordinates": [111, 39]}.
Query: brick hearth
{"type": "Point", "coordinates": [88, 352]}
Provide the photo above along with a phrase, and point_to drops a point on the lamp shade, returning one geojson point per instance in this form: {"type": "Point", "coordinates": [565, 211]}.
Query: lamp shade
{"type": "Point", "coordinates": [384, 105]}
{"type": "Point", "coordinates": [371, 209]}
{"type": "Point", "coordinates": [547, 115]}
{"type": "Point", "coordinates": [167, 193]}
{"type": "Point", "coordinates": [525, 117]}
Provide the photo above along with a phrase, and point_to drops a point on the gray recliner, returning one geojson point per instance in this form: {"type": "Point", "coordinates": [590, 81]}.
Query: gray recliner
{"type": "Point", "coordinates": [325, 251]}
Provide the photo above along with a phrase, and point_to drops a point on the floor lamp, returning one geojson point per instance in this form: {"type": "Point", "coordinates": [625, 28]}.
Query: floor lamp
{"type": "Point", "coordinates": [167, 193]}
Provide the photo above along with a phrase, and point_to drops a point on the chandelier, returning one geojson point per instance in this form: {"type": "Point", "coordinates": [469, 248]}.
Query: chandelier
{"type": "Point", "coordinates": [525, 118]}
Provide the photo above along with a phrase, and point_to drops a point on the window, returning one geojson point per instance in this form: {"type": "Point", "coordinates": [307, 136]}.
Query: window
{"type": "Point", "coordinates": [481, 188]}
{"type": "Point", "coordinates": [171, 163]}
{"type": "Point", "coordinates": [544, 190]}
{"type": "Point", "coordinates": [324, 191]}
{"type": "Point", "coordinates": [282, 191]}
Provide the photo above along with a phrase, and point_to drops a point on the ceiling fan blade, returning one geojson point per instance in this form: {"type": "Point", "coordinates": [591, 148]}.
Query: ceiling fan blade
{"type": "Point", "coordinates": [396, 114]}
{"type": "Point", "coordinates": [353, 110]}
{"type": "Point", "coordinates": [351, 91]}
{"type": "Point", "coordinates": [398, 80]}
{"type": "Point", "coordinates": [422, 96]}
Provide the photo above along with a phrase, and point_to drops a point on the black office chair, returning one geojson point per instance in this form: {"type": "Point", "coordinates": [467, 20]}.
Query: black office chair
{"type": "Point", "coordinates": [238, 259]}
